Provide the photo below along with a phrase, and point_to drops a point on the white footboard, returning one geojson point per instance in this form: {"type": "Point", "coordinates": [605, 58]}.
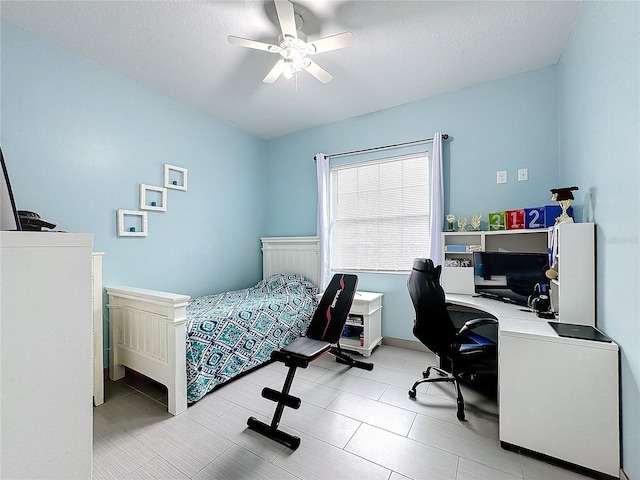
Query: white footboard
{"type": "Point", "coordinates": [148, 335]}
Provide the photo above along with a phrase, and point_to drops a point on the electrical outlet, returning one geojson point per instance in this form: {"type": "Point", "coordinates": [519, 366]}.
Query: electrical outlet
{"type": "Point", "coordinates": [502, 176]}
{"type": "Point", "coordinates": [523, 175]}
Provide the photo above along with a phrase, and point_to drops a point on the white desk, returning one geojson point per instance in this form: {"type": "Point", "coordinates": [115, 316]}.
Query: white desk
{"type": "Point", "coordinates": [557, 396]}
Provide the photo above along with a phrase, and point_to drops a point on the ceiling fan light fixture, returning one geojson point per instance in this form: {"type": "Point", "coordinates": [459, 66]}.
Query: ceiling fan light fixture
{"type": "Point", "coordinates": [293, 54]}
{"type": "Point", "coordinates": [290, 42]}
{"type": "Point", "coordinates": [293, 46]}
{"type": "Point", "coordinates": [288, 70]}
{"type": "Point", "coordinates": [291, 67]}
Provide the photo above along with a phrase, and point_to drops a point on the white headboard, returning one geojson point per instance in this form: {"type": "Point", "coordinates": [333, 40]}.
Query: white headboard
{"type": "Point", "coordinates": [299, 255]}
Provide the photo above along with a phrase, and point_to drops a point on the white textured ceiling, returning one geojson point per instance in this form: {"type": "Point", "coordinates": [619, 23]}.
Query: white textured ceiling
{"type": "Point", "coordinates": [403, 51]}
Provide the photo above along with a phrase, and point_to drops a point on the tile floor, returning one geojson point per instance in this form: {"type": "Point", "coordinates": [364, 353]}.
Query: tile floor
{"type": "Point", "coordinates": [354, 424]}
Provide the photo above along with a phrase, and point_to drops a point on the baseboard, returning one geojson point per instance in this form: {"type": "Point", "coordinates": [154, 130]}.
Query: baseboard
{"type": "Point", "coordinates": [408, 344]}
{"type": "Point", "coordinates": [562, 463]}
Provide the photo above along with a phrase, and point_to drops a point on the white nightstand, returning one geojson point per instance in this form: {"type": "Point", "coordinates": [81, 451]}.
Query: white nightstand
{"type": "Point", "coordinates": [363, 328]}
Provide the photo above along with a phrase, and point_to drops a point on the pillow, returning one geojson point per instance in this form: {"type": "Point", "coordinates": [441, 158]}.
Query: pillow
{"type": "Point", "coordinates": [291, 283]}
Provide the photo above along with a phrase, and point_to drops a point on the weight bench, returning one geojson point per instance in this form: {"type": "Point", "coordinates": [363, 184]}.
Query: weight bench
{"type": "Point", "coordinates": [322, 337]}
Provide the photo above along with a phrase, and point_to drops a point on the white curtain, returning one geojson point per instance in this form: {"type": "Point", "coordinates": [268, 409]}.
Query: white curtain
{"type": "Point", "coordinates": [436, 214]}
{"type": "Point", "coordinates": [322, 168]}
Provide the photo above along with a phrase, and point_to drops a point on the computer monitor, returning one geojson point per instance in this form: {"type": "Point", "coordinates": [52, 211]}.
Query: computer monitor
{"type": "Point", "coordinates": [8, 214]}
{"type": "Point", "coordinates": [509, 276]}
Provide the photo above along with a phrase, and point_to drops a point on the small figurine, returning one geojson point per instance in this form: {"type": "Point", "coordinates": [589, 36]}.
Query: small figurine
{"type": "Point", "coordinates": [564, 197]}
{"type": "Point", "coordinates": [475, 221]}
{"type": "Point", "coordinates": [450, 219]}
{"type": "Point", "coordinates": [462, 224]}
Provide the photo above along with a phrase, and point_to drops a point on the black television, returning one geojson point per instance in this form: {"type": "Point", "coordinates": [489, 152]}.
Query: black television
{"type": "Point", "coordinates": [509, 276]}
{"type": "Point", "coordinates": [8, 214]}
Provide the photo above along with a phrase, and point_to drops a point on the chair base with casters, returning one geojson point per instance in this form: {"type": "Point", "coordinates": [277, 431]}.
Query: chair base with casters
{"type": "Point", "coordinates": [322, 338]}
{"type": "Point", "coordinates": [480, 345]}
{"type": "Point", "coordinates": [444, 377]}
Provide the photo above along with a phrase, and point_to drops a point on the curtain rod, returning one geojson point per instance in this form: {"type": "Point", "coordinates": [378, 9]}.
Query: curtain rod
{"type": "Point", "coordinates": [445, 136]}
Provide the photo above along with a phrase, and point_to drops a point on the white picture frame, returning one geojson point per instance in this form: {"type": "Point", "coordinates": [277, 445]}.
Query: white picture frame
{"type": "Point", "coordinates": [125, 221]}
{"type": "Point", "coordinates": [175, 177]}
{"type": "Point", "coordinates": [147, 201]}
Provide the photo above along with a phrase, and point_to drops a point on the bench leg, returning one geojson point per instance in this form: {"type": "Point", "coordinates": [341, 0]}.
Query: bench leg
{"type": "Point", "coordinates": [283, 399]}
{"type": "Point", "coordinates": [345, 358]}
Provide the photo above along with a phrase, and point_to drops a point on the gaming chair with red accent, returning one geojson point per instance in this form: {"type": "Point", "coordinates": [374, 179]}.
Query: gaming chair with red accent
{"type": "Point", "coordinates": [322, 337]}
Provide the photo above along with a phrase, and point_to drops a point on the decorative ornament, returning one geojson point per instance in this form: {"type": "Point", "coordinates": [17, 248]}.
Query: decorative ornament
{"type": "Point", "coordinates": [462, 224]}
{"type": "Point", "coordinates": [475, 221]}
{"type": "Point", "coordinates": [564, 197]}
{"type": "Point", "coordinates": [450, 219]}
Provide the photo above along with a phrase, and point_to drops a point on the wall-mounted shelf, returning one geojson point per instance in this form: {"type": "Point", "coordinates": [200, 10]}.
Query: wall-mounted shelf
{"type": "Point", "coordinates": [175, 177]}
{"type": "Point", "coordinates": [153, 198]}
{"type": "Point", "coordinates": [132, 223]}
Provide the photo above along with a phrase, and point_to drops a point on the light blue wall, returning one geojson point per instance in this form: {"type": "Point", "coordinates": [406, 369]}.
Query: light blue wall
{"type": "Point", "coordinates": [599, 151]}
{"type": "Point", "coordinates": [79, 139]}
{"type": "Point", "coordinates": [502, 125]}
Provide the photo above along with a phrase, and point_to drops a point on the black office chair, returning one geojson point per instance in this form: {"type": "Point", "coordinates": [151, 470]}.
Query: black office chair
{"type": "Point", "coordinates": [461, 349]}
{"type": "Point", "coordinates": [322, 337]}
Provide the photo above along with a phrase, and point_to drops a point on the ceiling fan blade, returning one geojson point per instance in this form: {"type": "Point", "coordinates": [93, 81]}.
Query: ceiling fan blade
{"type": "Point", "coordinates": [317, 71]}
{"type": "Point", "coordinates": [334, 42]}
{"type": "Point", "coordinates": [275, 72]}
{"type": "Point", "coordinates": [287, 18]}
{"type": "Point", "coordinates": [245, 42]}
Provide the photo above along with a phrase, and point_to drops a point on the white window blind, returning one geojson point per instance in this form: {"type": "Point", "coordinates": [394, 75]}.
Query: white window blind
{"type": "Point", "coordinates": [380, 214]}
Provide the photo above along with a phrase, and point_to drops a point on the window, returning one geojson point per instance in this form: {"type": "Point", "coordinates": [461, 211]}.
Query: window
{"type": "Point", "coordinates": [380, 214]}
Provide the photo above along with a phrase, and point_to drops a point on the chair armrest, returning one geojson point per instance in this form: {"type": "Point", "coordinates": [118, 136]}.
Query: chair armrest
{"type": "Point", "coordinates": [475, 323]}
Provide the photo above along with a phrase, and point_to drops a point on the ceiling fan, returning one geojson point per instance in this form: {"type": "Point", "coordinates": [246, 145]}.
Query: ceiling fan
{"type": "Point", "coordinates": [293, 46]}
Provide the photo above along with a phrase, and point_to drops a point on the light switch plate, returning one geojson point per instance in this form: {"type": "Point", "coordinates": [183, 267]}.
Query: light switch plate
{"type": "Point", "coordinates": [523, 175]}
{"type": "Point", "coordinates": [502, 176]}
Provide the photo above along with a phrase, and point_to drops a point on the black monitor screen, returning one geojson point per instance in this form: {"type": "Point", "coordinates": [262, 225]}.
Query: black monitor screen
{"type": "Point", "coordinates": [509, 276]}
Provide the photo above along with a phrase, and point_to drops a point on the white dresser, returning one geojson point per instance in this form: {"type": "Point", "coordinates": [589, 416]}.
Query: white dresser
{"type": "Point", "coordinates": [46, 413]}
{"type": "Point", "coordinates": [96, 300]}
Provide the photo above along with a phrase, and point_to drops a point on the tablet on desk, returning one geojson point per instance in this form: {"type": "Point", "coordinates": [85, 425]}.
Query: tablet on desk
{"type": "Point", "coordinates": [584, 332]}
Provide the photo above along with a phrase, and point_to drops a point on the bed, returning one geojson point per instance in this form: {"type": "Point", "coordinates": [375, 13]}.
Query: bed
{"type": "Point", "coordinates": [195, 345]}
